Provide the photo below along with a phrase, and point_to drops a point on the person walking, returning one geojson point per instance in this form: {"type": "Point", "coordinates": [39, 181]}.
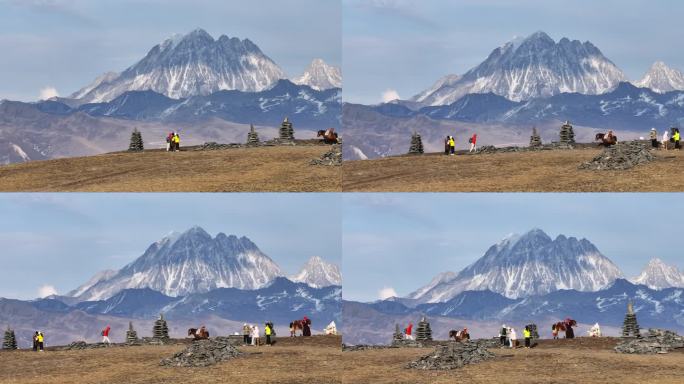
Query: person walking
{"type": "Point", "coordinates": [527, 335]}
{"type": "Point", "coordinates": [267, 332]}
{"type": "Point", "coordinates": [654, 138]}
{"type": "Point", "coordinates": [503, 335]}
{"type": "Point", "coordinates": [666, 140]}
{"type": "Point", "coordinates": [105, 335]}
{"type": "Point", "coordinates": [452, 145]}
{"type": "Point", "coordinates": [675, 136]}
{"type": "Point", "coordinates": [409, 331]}
{"type": "Point", "coordinates": [473, 143]}
{"type": "Point", "coordinates": [41, 341]}
{"type": "Point", "coordinates": [513, 337]}
{"type": "Point", "coordinates": [245, 334]}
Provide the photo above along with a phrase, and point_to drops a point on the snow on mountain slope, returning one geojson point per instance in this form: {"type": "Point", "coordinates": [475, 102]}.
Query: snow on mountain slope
{"type": "Point", "coordinates": [318, 273]}
{"type": "Point", "coordinates": [191, 262]}
{"type": "Point", "coordinates": [98, 277]}
{"type": "Point", "coordinates": [658, 275]}
{"type": "Point", "coordinates": [194, 64]}
{"type": "Point", "coordinates": [531, 264]}
{"type": "Point", "coordinates": [536, 66]}
{"type": "Point", "coordinates": [661, 78]}
{"type": "Point", "coordinates": [319, 76]}
{"type": "Point", "coordinates": [102, 79]}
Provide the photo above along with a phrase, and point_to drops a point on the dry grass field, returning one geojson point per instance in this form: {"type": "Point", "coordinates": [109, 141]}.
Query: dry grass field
{"type": "Point", "coordinates": [546, 171]}
{"type": "Point", "coordinates": [580, 360]}
{"type": "Point", "coordinates": [304, 360]}
{"type": "Point", "coordinates": [262, 169]}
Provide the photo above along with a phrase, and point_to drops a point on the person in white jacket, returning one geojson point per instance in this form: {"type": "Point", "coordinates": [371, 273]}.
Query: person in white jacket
{"type": "Point", "coordinates": [666, 139]}
{"type": "Point", "coordinates": [255, 336]}
{"type": "Point", "coordinates": [513, 337]}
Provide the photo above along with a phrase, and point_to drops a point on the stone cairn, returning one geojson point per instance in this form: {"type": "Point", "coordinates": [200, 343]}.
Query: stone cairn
{"type": "Point", "coordinates": [453, 355]}
{"type": "Point", "coordinates": [620, 156]}
{"type": "Point", "coordinates": [136, 141]}
{"type": "Point", "coordinates": [630, 327]}
{"type": "Point", "coordinates": [416, 144]}
{"type": "Point", "coordinates": [203, 353]}
{"type": "Point", "coordinates": [160, 330]}
{"type": "Point", "coordinates": [535, 139]}
{"type": "Point", "coordinates": [9, 341]}
{"type": "Point", "coordinates": [656, 341]}
{"type": "Point", "coordinates": [131, 334]}
{"type": "Point", "coordinates": [567, 135]}
{"type": "Point", "coordinates": [398, 335]}
{"type": "Point", "coordinates": [252, 136]}
{"type": "Point", "coordinates": [423, 331]}
{"type": "Point", "coordinates": [286, 132]}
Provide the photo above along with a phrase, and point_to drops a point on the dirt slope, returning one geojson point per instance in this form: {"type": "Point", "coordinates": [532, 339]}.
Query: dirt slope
{"type": "Point", "coordinates": [277, 169]}
{"type": "Point", "coordinates": [546, 171]}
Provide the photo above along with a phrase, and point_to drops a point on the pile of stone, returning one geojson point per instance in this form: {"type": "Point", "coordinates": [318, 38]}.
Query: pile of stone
{"type": "Point", "coordinates": [398, 335]}
{"type": "Point", "coordinates": [423, 331]}
{"type": "Point", "coordinates": [630, 327]}
{"type": "Point", "coordinates": [136, 144]}
{"type": "Point", "coordinates": [213, 146]}
{"type": "Point", "coordinates": [9, 341]}
{"type": "Point", "coordinates": [333, 157]}
{"type": "Point", "coordinates": [620, 156]}
{"type": "Point", "coordinates": [286, 132]}
{"type": "Point", "coordinates": [656, 341]}
{"type": "Point", "coordinates": [567, 135]}
{"type": "Point", "coordinates": [160, 330]}
{"type": "Point", "coordinates": [82, 345]}
{"type": "Point", "coordinates": [453, 355]}
{"type": "Point", "coordinates": [252, 136]}
{"type": "Point", "coordinates": [535, 139]}
{"type": "Point", "coordinates": [203, 353]}
{"type": "Point", "coordinates": [416, 144]}
{"type": "Point", "coordinates": [363, 347]}
{"type": "Point", "coordinates": [131, 335]}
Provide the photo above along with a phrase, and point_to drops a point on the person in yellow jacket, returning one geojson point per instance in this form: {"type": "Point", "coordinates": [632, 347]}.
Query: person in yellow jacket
{"type": "Point", "coordinates": [176, 142]}
{"type": "Point", "coordinates": [452, 145]}
{"type": "Point", "coordinates": [527, 334]}
{"type": "Point", "coordinates": [40, 339]}
{"type": "Point", "coordinates": [675, 136]}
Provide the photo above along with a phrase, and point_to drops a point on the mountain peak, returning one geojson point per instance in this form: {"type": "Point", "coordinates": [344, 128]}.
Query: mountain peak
{"type": "Point", "coordinates": [318, 273]}
{"type": "Point", "coordinates": [319, 75]}
{"type": "Point", "coordinates": [659, 275]}
{"type": "Point", "coordinates": [661, 78]}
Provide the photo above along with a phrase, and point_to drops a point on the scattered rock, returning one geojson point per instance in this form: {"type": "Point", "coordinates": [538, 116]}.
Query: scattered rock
{"type": "Point", "coordinates": [82, 345]}
{"type": "Point", "coordinates": [453, 355]}
{"type": "Point", "coordinates": [364, 347]}
{"type": "Point", "coordinates": [213, 146]}
{"type": "Point", "coordinates": [405, 343]}
{"type": "Point", "coordinates": [656, 341]}
{"type": "Point", "coordinates": [620, 156]}
{"type": "Point", "coordinates": [203, 353]}
{"type": "Point", "coordinates": [332, 157]}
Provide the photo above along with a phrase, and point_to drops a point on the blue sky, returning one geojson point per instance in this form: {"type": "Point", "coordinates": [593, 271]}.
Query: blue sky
{"type": "Point", "coordinates": [401, 241]}
{"type": "Point", "coordinates": [65, 44]}
{"type": "Point", "coordinates": [61, 240]}
{"type": "Point", "coordinates": [406, 45]}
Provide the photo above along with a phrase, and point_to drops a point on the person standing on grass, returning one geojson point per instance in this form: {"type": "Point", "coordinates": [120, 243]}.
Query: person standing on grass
{"type": "Point", "coordinates": [654, 138]}
{"type": "Point", "coordinates": [452, 145]}
{"type": "Point", "coordinates": [105, 335]}
{"type": "Point", "coordinates": [169, 141]}
{"type": "Point", "coordinates": [675, 136]}
{"type": "Point", "coordinates": [503, 335]}
{"type": "Point", "coordinates": [256, 339]}
{"type": "Point", "coordinates": [513, 337]}
{"type": "Point", "coordinates": [447, 146]}
{"type": "Point", "coordinates": [527, 335]}
{"type": "Point", "coordinates": [35, 342]}
{"type": "Point", "coordinates": [666, 140]}
{"type": "Point", "coordinates": [246, 330]}
{"type": "Point", "coordinates": [176, 142]}
{"type": "Point", "coordinates": [41, 341]}
{"type": "Point", "coordinates": [473, 143]}
{"type": "Point", "coordinates": [267, 332]}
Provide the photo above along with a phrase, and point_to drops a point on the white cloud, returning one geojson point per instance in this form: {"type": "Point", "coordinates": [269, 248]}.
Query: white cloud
{"type": "Point", "coordinates": [390, 95]}
{"type": "Point", "coordinates": [48, 92]}
{"type": "Point", "coordinates": [386, 293]}
{"type": "Point", "coordinates": [46, 290]}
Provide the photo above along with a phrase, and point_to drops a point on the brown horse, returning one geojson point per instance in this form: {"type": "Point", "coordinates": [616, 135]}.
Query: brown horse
{"type": "Point", "coordinates": [565, 326]}
{"type": "Point", "coordinates": [201, 334]}
{"type": "Point", "coordinates": [459, 335]}
{"type": "Point", "coordinates": [606, 139]}
{"type": "Point", "coordinates": [297, 325]}
{"type": "Point", "coordinates": [329, 135]}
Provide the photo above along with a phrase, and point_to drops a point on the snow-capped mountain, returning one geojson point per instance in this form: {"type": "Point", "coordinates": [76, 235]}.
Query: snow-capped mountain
{"type": "Point", "coordinates": [535, 66]}
{"type": "Point", "coordinates": [531, 264]}
{"type": "Point", "coordinates": [102, 79]}
{"type": "Point", "coordinates": [320, 76]}
{"type": "Point", "coordinates": [191, 262]}
{"type": "Point", "coordinates": [318, 273]}
{"type": "Point", "coordinates": [658, 275]}
{"type": "Point", "coordinates": [193, 64]}
{"type": "Point", "coordinates": [98, 277]}
{"type": "Point", "coordinates": [661, 78]}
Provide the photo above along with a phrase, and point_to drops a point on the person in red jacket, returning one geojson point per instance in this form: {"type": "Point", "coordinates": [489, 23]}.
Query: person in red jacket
{"type": "Point", "coordinates": [473, 142]}
{"type": "Point", "coordinates": [409, 330]}
{"type": "Point", "coordinates": [105, 335]}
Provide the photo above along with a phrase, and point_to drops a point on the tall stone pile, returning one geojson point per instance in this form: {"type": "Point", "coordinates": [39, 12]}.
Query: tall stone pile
{"type": "Point", "coordinates": [620, 156]}
{"type": "Point", "coordinates": [203, 353]}
{"type": "Point", "coordinates": [136, 144]}
{"type": "Point", "coordinates": [286, 132]}
{"type": "Point", "coordinates": [416, 144]}
{"type": "Point", "coordinates": [535, 139]}
{"type": "Point", "coordinates": [423, 331]}
{"type": "Point", "coordinates": [453, 355]}
{"type": "Point", "coordinates": [567, 135]}
{"type": "Point", "coordinates": [398, 335]}
{"type": "Point", "coordinates": [10, 340]}
{"type": "Point", "coordinates": [656, 341]}
{"type": "Point", "coordinates": [131, 334]}
{"type": "Point", "coordinates": [160, 330]}
{"type": "Point", "coordinates": [630, 327]}
{"type": "Point", "coordinates": [252, 136]}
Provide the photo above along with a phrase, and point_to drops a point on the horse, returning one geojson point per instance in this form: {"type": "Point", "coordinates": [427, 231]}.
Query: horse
{"type": "Point", "coordinates": [459, 335]}
{"type": "Point", "coordinates": [297, 325]}
{"type": "Point", "coordinates": [605, 140]}
{"type": "Point", "coordinates": [565, 326]}
{"type": "Point", "coordinates": [201, 334]}
{"type": "Point", "coordinates": [329, 135]}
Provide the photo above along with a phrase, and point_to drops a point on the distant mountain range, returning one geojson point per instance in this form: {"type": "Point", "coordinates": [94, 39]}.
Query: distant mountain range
{"type": "Point", "coordinates": [532, 81]}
